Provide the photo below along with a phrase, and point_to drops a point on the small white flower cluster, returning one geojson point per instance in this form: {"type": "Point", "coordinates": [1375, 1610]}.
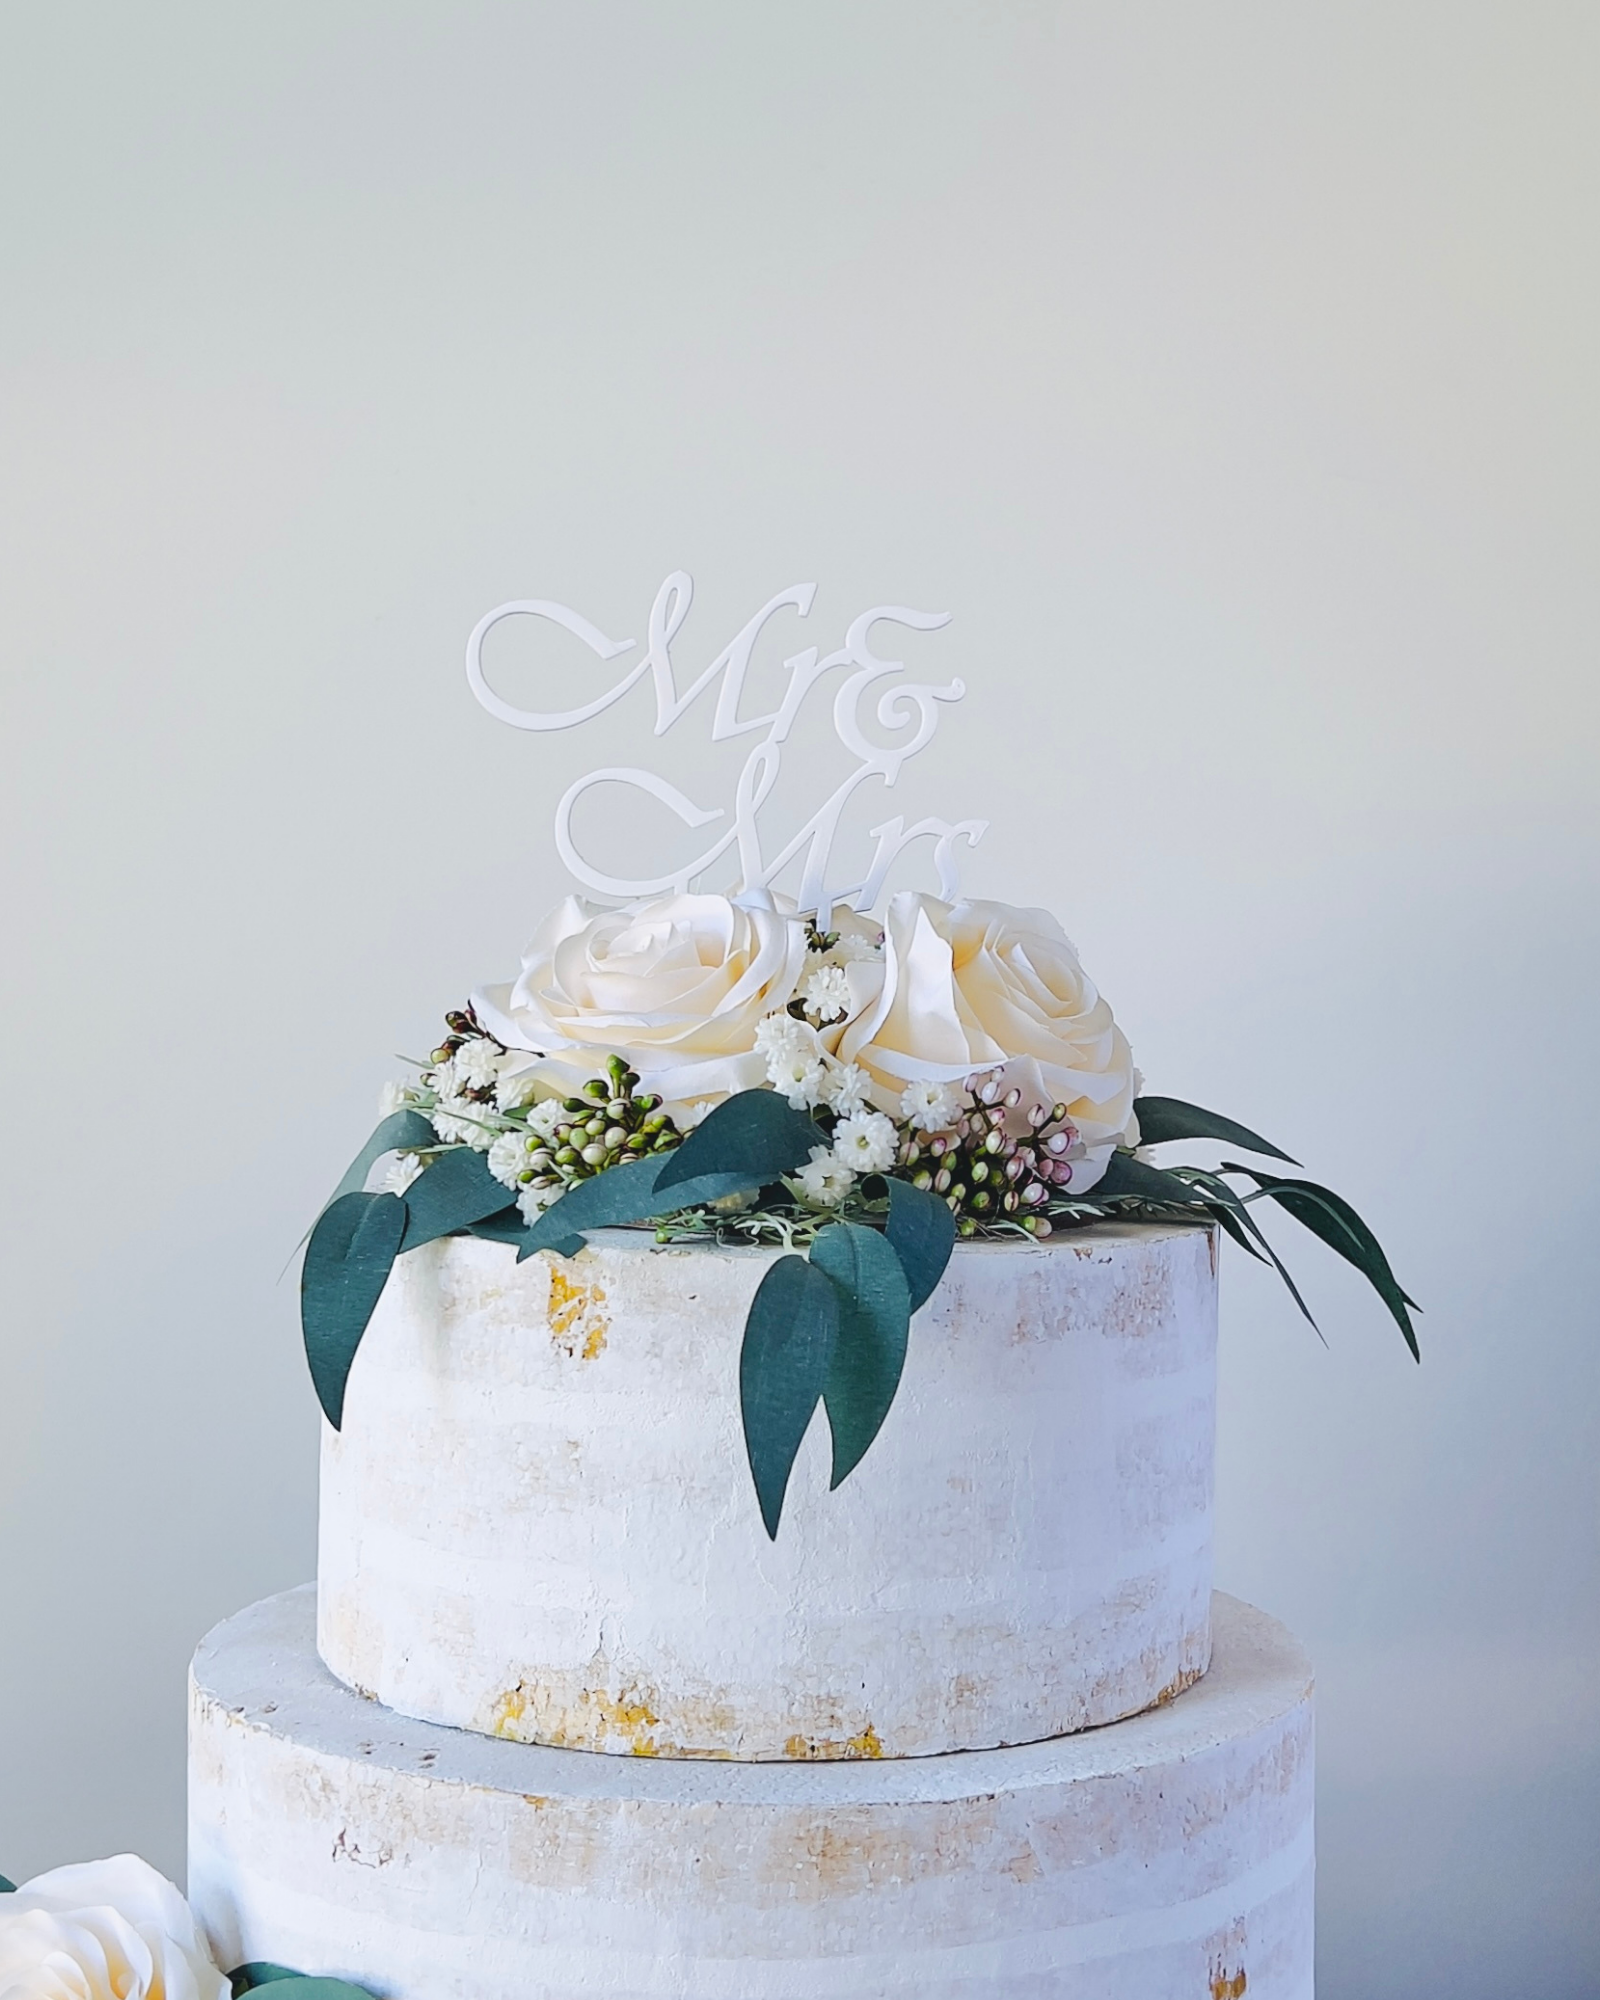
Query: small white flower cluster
{"type": "Point", "coordinates": [464, 1090]}
{"type": "Point", "coordinates": [800, 1068]}
{"type": "Point", "coordinates": [825, 992]}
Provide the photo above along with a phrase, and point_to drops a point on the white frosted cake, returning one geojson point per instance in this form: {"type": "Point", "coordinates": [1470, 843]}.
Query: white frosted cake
{"type": "Point", "coordinates": [769, 1371]}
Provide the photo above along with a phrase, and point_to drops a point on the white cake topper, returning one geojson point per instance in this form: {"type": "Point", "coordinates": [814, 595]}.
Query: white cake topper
{"type": "Point", "coordinates": [905, 705]}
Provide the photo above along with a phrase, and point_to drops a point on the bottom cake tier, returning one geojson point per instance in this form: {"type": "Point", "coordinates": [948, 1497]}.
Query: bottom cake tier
{"type": "Point", "coordinates": [1168, 1857]}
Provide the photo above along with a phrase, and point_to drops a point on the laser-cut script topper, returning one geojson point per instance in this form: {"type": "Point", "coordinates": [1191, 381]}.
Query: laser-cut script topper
{"type": "Point", "coordinates": [907, 705]}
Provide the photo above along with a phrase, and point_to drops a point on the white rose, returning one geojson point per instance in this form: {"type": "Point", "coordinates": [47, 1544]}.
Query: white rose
{"type": "Point", "coordinates": [676, 985]}
{"type": "Point", "coordinates": [104, 1930]}
{"type": "Point", "coordinates": [968, 986]}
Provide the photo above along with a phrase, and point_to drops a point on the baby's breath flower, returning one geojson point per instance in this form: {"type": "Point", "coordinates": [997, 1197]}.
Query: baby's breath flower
{"type": "Point", "coordinates": [476, 1064]}
{"type": "Point", "coordinates": [460, 1122]}
{"type": "Point", "coordinates": [852, 949]}
{"type": "Point", "coordinates": [798, 1076]}
{"type": "Point", "coordinates": [777, 1034]}
{"type": "Point", "coordinates": [825, 1180]}
{"type": "Point", "coordinates": [545, 1116]}
{"type": "Point", "coordinates": [696, 1114]}
{"type": "Point", "coordinates": [511, 1093]}
{"type": "Point", "coordinates": [533, 1201]}
{"type": "Point", "coordinates": [508, 1158]}
{"type": "Point", "coordinates": [865, 1142]}
{"type": "Point", "coordinates": [827, 993]}
{"type": "Point", "coordinates": [395, 1096]}
{"type": "Point", "coordinates": [845, 1088]}
{"type": "Point", "coordinates": [930, 1107]}
{"type": "Point", "coordinates": [402, 1171]}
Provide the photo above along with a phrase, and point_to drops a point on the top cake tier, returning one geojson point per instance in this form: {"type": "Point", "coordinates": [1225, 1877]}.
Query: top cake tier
{"type": "Point", "coordinates": [538, 1520]}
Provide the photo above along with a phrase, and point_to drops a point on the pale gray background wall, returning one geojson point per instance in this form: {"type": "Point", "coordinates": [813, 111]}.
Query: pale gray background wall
{"type": "Point", "coordinates": [1228, 370]}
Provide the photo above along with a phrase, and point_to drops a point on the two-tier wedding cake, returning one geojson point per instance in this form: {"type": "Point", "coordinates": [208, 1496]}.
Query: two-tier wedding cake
{"type": "Point", "coordinates": [766, 1520]}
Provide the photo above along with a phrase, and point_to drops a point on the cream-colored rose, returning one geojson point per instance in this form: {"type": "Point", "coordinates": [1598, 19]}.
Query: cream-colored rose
{"type": "Point", "coordinates": [677, 985]}
{"type": "Point", "coordinates": [104, 1930]}
{"type": "Point", "coordinates": [968, 986]}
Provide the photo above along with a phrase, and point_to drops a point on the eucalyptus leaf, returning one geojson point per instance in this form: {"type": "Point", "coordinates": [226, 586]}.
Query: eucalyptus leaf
{"type": "Point", "coordinates": [1162, 1120]}
{"type": "Point", "coordinates": [456, 1191]}
{"type": "Point", "coordinates": [755, 1133]}
{"type": "Point", "coordinates": [7, 1886]}
{"type": "Point", "coordinates": [922, 1231]}
{"type": "Point", "coordinates": [504, 1226]}
{"type": "Point", "coordinates": [1127, 1177]}
{"type": "Point", "coordinates": [789, 1337]}
{"type": "Point", "coordinates": [869, 1354]}
{"type": "Point", "coordinates": [288, 1985]}
{"type": "Point", "coordinates": [630, 1192]}
{"type": "Point", "coordinates": [347, 1265]}
{"type": "Point", "coordinates": [401, 1131]}
{"type": "Point", "coordinates": [1330, 1217]}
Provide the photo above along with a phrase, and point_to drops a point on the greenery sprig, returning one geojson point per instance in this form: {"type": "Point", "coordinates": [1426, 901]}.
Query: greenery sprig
{"type": "Point", "coordinates": [863, 1247]}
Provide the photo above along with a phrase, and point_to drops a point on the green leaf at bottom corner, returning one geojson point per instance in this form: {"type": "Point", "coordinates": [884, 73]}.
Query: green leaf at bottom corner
{"type": "Point", "coordinates": [7, 1886]}
{"type": "Point", "coordinates": [789, 1337]}
{"type": "Point", "coordinates": [869, 1355]}
{"type": "Point", "coordinates": [347, 1265]}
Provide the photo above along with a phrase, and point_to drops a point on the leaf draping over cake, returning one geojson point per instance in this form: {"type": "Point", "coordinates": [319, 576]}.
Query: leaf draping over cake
{"type": "Point", "coordinates": [289, 1985]}
{"type": "Point", "coordinates": [830, 1327]}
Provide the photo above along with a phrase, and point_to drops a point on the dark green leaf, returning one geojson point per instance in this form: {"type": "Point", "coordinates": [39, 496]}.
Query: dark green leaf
{"type": "Point", "coordinates": [293, 1985]}
{"type": "Point", "coordinates": [401, 1131]}
{"type": "Point", "coordinates": [1127, 1177]}
{"type": "Point", "coordinates": [346, 1267]}
{"type": "Point", "coordinates": [923, 1233]}
{"type": "Point", "coordinates": [627, 1193]}
{"type": "Point", "coordinates": [1164, 1119]}
{"type": "Point", "coordinates": [869, 1353]}
{"type": "Point", "coordinates": [1331, 1217]}
{"type": "Point", "coordinates": [504, 1226]}
{"type": "Point", "coordinates": [1225, 1200]}
{"type": "Point", "coordinates": [7, 1887]}
{"type": "Point", "coordinates": [789, 1338]}
{"type": "Point", "coordinates": [756, 1134]}
{"type": "Point", "coordinates": [458, 1189]}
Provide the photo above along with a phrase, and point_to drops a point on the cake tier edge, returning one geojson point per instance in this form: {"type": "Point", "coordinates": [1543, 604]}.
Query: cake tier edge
{"type": "Point", "coordinates": [1168, 1855]}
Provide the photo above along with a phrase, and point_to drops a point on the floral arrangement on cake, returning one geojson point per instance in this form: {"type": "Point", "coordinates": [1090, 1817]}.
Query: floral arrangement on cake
{"type": "Point", "coordinates": [720, 1068]}
{"type": "Point", "coordinates": [118, 1930]}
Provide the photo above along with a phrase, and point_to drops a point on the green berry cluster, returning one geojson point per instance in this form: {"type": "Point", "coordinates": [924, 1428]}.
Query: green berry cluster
{"type": "Point", "coordinates": [605, 1125]}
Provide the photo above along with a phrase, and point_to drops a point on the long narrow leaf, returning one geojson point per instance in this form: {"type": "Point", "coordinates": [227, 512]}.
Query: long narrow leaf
{"type": "Point", "coordinates": [1128, 1178]}
{"type": "Point", "coordinates": [1330, 1217]}
{"type": "Point", "coordinates": [869, 1355]}
{"type": "Point", "coordinates": [789, 1338]}
{"type": "Point", "coordinates": [1228, 1198]}
{"type": "Point", "coordinates": [1164, 1120]}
